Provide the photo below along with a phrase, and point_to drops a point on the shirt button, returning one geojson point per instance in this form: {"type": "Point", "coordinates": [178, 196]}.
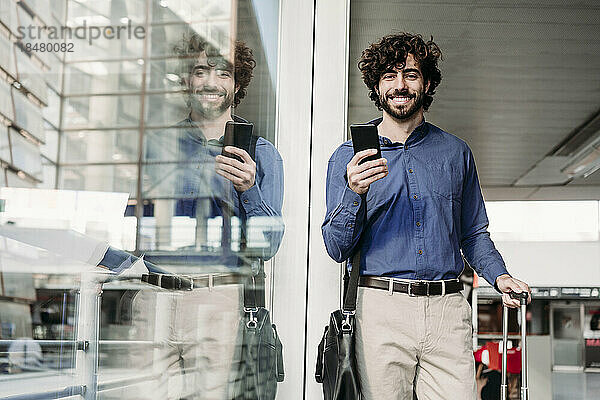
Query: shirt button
{"type": "Point", "coordinates": [350, 225]}
{"type": "Point", "coordinates": [410, 170]}
{"type": "Point", "coordinates": [245, 201]}
{"type": "Point", "coordinates": [415, 197]}
{"type": "Point", "coordinates": [420, 251]}
{"type": "Point", "coordinates": [418, 223]}
{"type": "Point", "coordinates": [355, 203]}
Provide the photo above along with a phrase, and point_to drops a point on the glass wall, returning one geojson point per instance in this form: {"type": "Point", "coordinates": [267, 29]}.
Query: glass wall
{"type": "Point", "coordinates": [135, 248]}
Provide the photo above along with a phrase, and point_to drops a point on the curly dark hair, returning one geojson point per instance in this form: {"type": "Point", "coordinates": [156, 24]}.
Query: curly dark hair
{"type": "Point", "coordinates": [191, 46]}
{"type": "Point", "coordinates": [244, 64]}
{"type": "Point", "coordinates": [392, 50]}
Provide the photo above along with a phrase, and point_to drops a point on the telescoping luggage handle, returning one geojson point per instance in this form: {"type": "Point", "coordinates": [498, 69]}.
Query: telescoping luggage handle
{"type": "Point", "coordinates": [504, 388]}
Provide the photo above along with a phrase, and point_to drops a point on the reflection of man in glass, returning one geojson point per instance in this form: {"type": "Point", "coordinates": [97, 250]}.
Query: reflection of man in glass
{"type": "Point", "coordinates": [212, 92]}
{"type": "Point", "coordinates": [214, 86]}
{"type": "Point", "coordinates": [200, 326]}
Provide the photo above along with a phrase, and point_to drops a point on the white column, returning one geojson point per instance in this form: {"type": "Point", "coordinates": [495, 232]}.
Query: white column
{"type": "Point", "coordinates": [308, 132]}
{"type": "Point", "coordinates": [289, 269]}
{"type": "Point", "coordinates": [329, 131]}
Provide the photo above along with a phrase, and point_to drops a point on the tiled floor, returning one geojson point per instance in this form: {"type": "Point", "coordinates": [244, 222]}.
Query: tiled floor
{"type": "Point", "coordinates": [575, 386]}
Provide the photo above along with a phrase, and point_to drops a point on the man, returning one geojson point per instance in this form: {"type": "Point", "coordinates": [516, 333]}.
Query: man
{"type": "Point", "coordinates": [201, 327]}
{"type": "Point", "coordinates": [409, 214]}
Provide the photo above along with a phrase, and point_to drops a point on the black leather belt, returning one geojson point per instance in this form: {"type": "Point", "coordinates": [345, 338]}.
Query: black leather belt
{"type": "Point", "coordinates": [416, 288]}
{"type": "Point", "coordinates": [180, 282]}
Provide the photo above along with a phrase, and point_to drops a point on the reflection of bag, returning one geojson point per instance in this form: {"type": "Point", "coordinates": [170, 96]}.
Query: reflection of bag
{"type": "Point", "coordinates": [336, 360]}
{"type": "Point", "coordinates": [260, 364]}
{"type": "Point", "coordinates": [261, 361]}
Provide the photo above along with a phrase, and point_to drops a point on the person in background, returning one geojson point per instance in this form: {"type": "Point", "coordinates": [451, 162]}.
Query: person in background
{"type": "Point", "coordinates": [488, 380]}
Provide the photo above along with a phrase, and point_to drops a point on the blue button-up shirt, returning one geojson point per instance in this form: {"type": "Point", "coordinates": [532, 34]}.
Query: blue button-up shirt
{"type": "Point", "coordinates": [413, 223]}
{"type": "Point", "coordinates": [198, 179]}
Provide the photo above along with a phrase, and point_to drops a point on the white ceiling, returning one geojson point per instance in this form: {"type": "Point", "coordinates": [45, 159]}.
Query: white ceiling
{"type": "Point", "coordinates": [518, 76]}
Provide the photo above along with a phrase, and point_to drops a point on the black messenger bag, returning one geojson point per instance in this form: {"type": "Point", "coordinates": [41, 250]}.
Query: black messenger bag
{"type": "Point", "coordinates": [336, 359]}
{"type": "Point", "coordinates": [260, 365]}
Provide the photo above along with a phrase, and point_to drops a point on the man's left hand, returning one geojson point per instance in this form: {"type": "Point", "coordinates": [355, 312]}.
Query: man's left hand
{"type": "Point", "coordinates": [506, 284]}
{"type": "Point", "coordinates": [241, 174]}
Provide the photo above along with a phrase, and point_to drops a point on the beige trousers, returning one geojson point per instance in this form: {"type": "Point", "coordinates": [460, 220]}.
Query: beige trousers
{"type": "Point", "coordinates": [403, 341]}
{"type": "Point", "coordinates": [196, 342]}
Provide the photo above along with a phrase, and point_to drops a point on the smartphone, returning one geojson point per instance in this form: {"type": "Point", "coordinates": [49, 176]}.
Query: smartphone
{"type": "Point", "coordinates": [365, 136]}
{"type": "Point", "coordinates": [237, 134]}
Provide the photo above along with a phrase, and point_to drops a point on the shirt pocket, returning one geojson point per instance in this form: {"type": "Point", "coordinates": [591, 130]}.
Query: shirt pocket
{"type": "Point", "coordinates": [445, 181]}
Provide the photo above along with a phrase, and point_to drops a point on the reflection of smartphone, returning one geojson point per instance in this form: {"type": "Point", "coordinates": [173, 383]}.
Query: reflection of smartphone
{"type": "Point", "coordinates": [237, 134]}
{"type": "Point", "coordinates": [365, 136]}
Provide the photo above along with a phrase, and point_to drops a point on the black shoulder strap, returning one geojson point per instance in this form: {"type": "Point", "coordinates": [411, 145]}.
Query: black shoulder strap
{"type": "Point", "coordinates": [352, 289]}
{"type": "Point", "coordinates": [254, 288]}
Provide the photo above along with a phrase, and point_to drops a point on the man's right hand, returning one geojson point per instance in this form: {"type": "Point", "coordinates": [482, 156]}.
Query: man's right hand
{"type": "Point", "coordinates": [361, 176]}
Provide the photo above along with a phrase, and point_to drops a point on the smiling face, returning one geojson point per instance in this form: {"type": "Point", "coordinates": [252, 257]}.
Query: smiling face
{"type": "Point", "coordinates": [401, 90]}
{"type": "Point", "coordinates": [211, 87]}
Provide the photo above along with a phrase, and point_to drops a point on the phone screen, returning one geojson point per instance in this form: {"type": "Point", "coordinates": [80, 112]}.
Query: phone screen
{"type": "Point", "coordinates": [365, 136]}
{"type": "Point", "coordinates": [237, 134]}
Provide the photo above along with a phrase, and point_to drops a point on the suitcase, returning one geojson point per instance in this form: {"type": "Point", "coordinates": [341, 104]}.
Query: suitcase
{"type": "Point", "coordinates": [504, 387]}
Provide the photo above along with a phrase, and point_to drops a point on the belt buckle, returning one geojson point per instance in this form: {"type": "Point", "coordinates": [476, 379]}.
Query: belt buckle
{"type": "Point", "coordinates": [410, 285]}
{"type": "Point", "coordinates": [187, 283]}
{"type": "Point", "coordinates": [410, 293]}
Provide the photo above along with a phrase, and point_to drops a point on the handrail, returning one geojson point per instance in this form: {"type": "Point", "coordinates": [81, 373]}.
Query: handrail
{"type": "Point", "coordinates": [54, 394]}
{"type": "Point", "coordinates": [81, 345]}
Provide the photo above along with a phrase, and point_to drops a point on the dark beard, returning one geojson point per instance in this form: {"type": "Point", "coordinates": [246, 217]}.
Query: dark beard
{"type": "Point", "coordinates": [402, 113]}
{"type": "Point", "coordinates": [210, 111]}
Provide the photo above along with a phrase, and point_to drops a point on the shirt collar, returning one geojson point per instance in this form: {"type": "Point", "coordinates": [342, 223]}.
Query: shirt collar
{"type": "Point", "coordinates": [194, 132]}
{"type": "Point", "coordinates": [415, 136]}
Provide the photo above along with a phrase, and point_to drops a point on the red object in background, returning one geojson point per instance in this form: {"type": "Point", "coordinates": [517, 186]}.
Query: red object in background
{"type": "Point", "coordinates": [513, 361]}
{"type": "Point", "coordinates": [478, 353]}
{"type": "Point", "coordinates": [495, 358]}
{"type": "Point", "coordinates": [513, 357]}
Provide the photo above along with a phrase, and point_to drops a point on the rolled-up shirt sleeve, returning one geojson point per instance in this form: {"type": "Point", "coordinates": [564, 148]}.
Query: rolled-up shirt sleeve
{"type": "Point", "coordinates": [477, 246]}
{"type": "Point", "coordinates": [346, 213]}
{"type": "Point", "coordinates": [117, 261]}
